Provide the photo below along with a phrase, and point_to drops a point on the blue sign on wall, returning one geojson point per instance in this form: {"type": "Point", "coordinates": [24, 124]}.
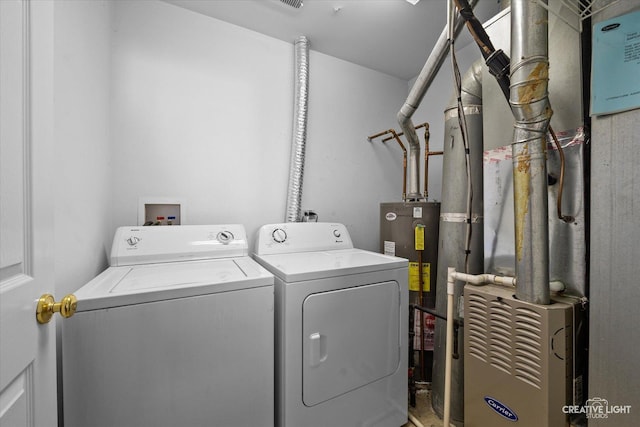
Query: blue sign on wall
{"type": "Point", "coordinates": [615, 78]}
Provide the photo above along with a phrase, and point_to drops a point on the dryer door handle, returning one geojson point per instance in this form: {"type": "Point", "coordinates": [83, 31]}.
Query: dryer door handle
{"type": "Point", "coordinates": [317, 349]}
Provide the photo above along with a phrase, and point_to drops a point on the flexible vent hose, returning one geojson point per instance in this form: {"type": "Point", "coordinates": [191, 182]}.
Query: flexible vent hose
{"type": "Point", "coordinates": [298, 144]}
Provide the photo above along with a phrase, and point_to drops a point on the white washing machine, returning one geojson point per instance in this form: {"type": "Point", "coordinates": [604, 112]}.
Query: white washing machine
{"type": "Point", "coordinates": [341, 328]}
{"type": "Point", "coordinates": [178, 331]}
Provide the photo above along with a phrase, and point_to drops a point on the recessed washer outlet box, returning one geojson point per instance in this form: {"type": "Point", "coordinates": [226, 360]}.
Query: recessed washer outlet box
{"type": "Point", "coordinates": [161, 212]}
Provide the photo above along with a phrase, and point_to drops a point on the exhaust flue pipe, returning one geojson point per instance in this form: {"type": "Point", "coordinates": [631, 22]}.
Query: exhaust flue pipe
{"type": "Point", "coordinates": [298, 144]}
{"type": "Point", "coordinates": [453, 226]}
{"type": "Point", "coordinates": [529, 99]}
{"type": "Point", "coordinates": [419, 89]}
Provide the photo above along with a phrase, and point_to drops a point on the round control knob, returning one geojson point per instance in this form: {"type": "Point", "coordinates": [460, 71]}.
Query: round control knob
{"type": "Point", "coordinates": [133, 240]}
{"type": "Point", "coordinates": [279, 235]}
{"type": "Point", "coordinates": [224, 237]}
{"type": "Point", "coordinates": [337, 233]}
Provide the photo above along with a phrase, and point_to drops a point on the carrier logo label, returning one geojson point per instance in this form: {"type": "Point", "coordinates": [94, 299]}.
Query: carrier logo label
{"type": "Point", "coordinates": [391, 216]}
{"type": "Point", "coordinates": [610, 27]}
{"type": "Point", "coordinates": [501, 408]}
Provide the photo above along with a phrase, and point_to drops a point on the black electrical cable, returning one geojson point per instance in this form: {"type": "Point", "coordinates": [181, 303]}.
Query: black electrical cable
{"type": "Point", "coordinates": [496, 60]}
{"type": "Point", "coordinates": [475, 27]}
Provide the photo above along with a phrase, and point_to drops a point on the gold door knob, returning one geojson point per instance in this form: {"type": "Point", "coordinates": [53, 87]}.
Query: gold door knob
{"type": "Point", "coordinates": [47, 305]}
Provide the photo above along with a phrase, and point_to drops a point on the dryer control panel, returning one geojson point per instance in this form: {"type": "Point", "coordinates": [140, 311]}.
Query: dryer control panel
{"type": "Point", "coordinates": [302, 237]}
{"type": "Point", "coordinates": [144, 245]}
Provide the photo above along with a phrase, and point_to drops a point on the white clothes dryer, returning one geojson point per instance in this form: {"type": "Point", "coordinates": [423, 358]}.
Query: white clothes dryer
{"type": "Point", "coordinates": [341, 328]}
{"type": "Point", "coordinates": [178, 331]}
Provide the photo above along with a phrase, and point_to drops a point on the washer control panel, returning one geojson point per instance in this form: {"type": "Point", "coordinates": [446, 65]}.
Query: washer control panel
{"type": "Point", "coordinates": [143, 245]}
{"type": "Point", "coordinates": [302, 237]}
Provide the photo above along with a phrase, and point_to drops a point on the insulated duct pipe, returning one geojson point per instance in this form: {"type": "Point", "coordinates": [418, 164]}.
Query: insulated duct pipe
{"type": "Point", "coordinates": [529, 101]}
{"type": "Point", "coordinates": [453, 228]}
{"type": "Point", "coordinates": [419, 89]}
{"type": "Point", "coordinates": [298, 144]}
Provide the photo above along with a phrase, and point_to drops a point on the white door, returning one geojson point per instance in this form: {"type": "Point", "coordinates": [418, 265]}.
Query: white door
{"type": "Point", "coordinates": [27, 349]}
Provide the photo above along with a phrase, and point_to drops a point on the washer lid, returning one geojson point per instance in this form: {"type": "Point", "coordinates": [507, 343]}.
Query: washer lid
{"type": "Point", "coordinates": [128, 285]}
{"type": "Point", "coordinates": [295, 267]}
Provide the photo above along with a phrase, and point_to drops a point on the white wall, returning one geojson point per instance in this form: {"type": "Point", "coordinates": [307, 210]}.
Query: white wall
{"type": "Point", "coordinates": [202, 111]}
{"type": "Point", "coordinates": [346, 176]}
{"type": "Point", "coordinates": [82, 132]}
{"type": "Point", "coordinates": [82, 208]}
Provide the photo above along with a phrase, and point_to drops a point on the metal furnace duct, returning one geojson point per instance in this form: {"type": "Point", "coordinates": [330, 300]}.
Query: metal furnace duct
{"type": "Point", "coordinates": [298, 143]}
{"type": "Point", "coordinates": [520, 355]}
{"type": "Point", "coordinates": [419, 89]}
{"type": "Point", "coordinates": [453, 227]}
{"type": "Point", "coordinates": [529, 99]}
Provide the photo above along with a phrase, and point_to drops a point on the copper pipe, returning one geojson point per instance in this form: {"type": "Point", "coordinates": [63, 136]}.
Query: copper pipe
{"type": "Point", "coordinates": [427, 153]}
{"type": "Point", "coordinates": [372, 137]}
{"type": "Point", "coordinates": [565, 218]}
{"type": "Point", "coordinates": [402, 133]}
{"type": "Point", "coordinates": [404, 157]}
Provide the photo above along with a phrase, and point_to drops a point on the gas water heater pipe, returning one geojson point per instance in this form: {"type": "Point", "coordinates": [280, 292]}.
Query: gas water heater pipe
{"type": "Point", "coordinates": [427, 154]}
{"type": "Point", "coordinates": [421, 125]}
{"type": "Point", "coordinates": [417, 93]}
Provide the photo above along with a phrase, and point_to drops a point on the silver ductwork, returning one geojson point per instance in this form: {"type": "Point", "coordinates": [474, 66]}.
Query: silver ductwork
{"type": "Point", "coordinates": [419, 89]}
{"type": "Point", "coordinates": [454, 223]}
{"type": "Point", "coordinates": [299, 140]}
{"type": "Point", "coordinates": [293, 3]}
{"type": "Point", "coordinates": [529, 99]}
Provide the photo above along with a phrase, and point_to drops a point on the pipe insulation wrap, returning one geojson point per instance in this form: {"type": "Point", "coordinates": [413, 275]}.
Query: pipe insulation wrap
{"type": "Point", "coordinates": [419, 89]}
{"type": "Point", "coordinates": [299, 139]}
{"type": "Point", "coordinates": [529, 100]}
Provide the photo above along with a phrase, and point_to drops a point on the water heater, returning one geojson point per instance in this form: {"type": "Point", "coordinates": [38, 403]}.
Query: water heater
{"type": "Point", "coordinates": [410, 230]}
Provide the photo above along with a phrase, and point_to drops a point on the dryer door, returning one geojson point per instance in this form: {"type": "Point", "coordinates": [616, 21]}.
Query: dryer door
{"type": "Point", "coordinates": [351, 337]}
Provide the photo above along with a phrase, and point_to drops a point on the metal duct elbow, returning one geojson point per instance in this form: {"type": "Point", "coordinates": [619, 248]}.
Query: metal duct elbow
{"type": "Point", "coordinates": [299, 140]}
{"type": "Point", "coordinates": [419, 89]}
{"type": "Point", "coordinates": [471, 87]}
{"type": "Point", "coordinates": [529, 101]}
{"type": "Point", "coordinates": [404, 119]}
